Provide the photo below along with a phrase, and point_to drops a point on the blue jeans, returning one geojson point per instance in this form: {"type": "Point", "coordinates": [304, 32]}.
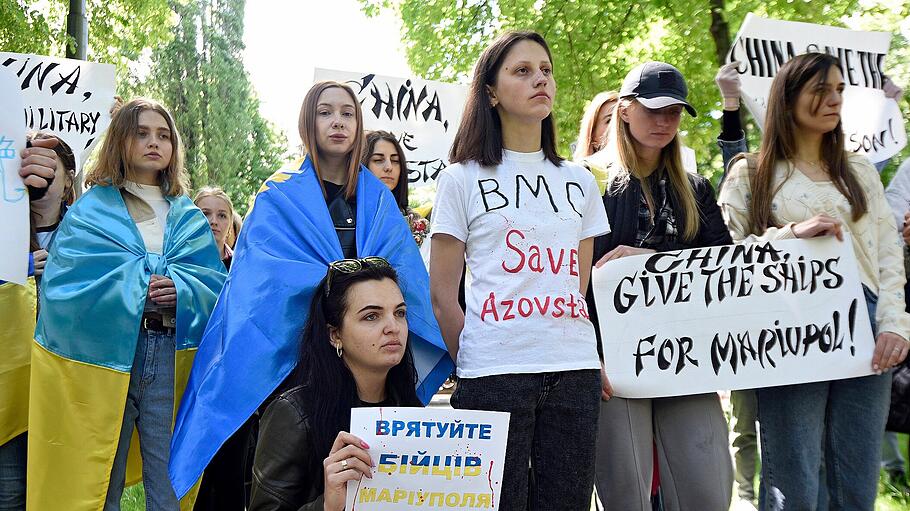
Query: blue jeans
{"type": "Point", "coordinates": [552, 427]}
{"type": "Point", "coordinates": [839, 423]}
{"type": "Point", "coordinates": [12, 473]}
{"type": "Point", "coordinates": [150, 408]}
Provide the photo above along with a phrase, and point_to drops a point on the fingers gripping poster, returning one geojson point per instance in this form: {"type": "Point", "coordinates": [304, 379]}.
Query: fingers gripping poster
{"type": "Point", "coordinates": [14, 201]}
{"type": "Point", "coordinates": [733, 317]}
{"type": "Point", "coordinates": [69, 98]}
{"type": "Point", "coordinates": [429, 458]}
{"type": "Point", "coordinates": [423, 114]}
{"type": "Point", "coordinates": [872, 123]}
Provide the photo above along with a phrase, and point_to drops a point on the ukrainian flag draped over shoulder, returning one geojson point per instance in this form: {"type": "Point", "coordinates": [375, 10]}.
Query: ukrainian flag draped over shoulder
{"type": "Point", "coordinates": [93, 295]}
{"type": "Point", "coordinates": [251, 343]}
{"type": "Point", "coordinates": [17, 328]}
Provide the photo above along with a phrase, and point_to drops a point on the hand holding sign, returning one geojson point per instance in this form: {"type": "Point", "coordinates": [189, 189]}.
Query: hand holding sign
{"type": "Point", "coordinates": [819, 225]}
{"type": "Point", "coordinates": [39, 163]}
{"type": "Point", "coordinates": [348, 461]}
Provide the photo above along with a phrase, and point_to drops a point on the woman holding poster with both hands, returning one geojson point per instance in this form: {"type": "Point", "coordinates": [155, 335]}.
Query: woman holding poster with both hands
{"type": "Point", "coordinates": [525, 344]}
{"type": "Point", "coordinates": [655, 206]}
{"type": "Point", "coordinates": [801, 185]}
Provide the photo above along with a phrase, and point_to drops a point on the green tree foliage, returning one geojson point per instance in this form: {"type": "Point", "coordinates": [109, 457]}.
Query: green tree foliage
{"type": "Point", "coordinates": [595, 43]}
{"type": "Point", "coordinates": [200, 75]}
{"type": "Point", "coordinates": [119, 30]}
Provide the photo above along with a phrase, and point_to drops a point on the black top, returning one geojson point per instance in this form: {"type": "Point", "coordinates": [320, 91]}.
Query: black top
{"type": "Point", "coordinates": [344, 216]}
{"type": "Point", "coordinates": [287, 472]}
{"type": "Point", "coordinates": [623, 207]}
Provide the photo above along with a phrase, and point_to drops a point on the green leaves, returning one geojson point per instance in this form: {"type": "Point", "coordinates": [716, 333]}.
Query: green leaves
{"type": "Point", "coordinates": [200, 74]}
{"type": "Point", "coordinates": [595, 43]}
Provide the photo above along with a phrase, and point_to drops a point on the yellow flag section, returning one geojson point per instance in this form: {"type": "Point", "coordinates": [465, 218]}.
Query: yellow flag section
{"type": "Point", "coordinates": [17, 329]}
{"type": "Point", "coordinates": [70, 467]}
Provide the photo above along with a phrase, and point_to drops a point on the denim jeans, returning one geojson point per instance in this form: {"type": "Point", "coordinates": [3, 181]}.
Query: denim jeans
{"type": "Point", "coordinates": [150, 408]}
{"type": "Point", "coordinates": [839, 423]}
{"type": "Point", "coordinates": [12, 473]}
{"type": "Point", "coordinates": [552, 426]}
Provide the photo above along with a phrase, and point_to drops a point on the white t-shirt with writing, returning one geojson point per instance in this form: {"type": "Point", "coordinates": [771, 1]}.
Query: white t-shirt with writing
{"type": "Point", "coordinates": [521, 223]}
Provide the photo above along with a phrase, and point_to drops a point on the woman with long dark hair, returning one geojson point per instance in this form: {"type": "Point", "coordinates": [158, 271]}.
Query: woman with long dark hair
{"type": "Point", "coordinates": [354, 352]}
{"type": "Point", "coordinates": [655, 205]}
{"type": "Point", "coordinates": [383, 155]}
{"type": "Point", "coordinates": [804, 184]}
{"type": "Point", "coordinates": [525, 344]}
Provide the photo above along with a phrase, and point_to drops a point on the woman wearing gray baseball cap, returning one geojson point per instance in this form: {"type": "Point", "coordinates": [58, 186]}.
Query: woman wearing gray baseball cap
{"type": "Point", "coordinates": [654, 205]}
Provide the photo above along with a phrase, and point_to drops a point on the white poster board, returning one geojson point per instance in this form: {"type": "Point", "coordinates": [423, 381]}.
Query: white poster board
{"type": "Point", "coordinates": [14, 227]}
{"type": "Point", "coordinates": [872, 123]}
{"type": "Point", "coordinates": [733, 317]}
{"type": "Point", "coordinates": [69, 98]}
{"type": "Point", "coordinates": [423, 114]}
{"type": "Point", "coordinates": [429, 457]}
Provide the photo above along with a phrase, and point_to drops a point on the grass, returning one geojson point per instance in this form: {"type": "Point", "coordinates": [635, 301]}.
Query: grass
{"type": "Point", "coordinates": [889, 497]}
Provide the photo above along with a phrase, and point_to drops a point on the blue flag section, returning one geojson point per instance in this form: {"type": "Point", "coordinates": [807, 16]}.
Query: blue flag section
{"type": "Point", "coordinates": [251, 342]}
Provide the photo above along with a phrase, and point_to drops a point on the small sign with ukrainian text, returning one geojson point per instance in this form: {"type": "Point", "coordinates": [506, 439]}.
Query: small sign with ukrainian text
{"type": "Point", "coordinates": [733, 317]}
{"type": "Point", "coordinates": [873, 124]}
{"type": "Point", "coordinates": [430, 458]}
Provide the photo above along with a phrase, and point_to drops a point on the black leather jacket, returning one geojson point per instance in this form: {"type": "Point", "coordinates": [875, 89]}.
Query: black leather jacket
{"type": "Point", "coordinates": [287, 472]}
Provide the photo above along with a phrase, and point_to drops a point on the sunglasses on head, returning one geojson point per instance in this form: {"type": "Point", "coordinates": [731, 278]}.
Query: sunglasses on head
{"type": "Point", "coordinates": [353, 266]}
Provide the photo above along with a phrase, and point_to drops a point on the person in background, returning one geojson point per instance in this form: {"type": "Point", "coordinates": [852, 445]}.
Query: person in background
{"type": "Point", "coordinates": [898, 196]}
{"type": "Point", "coordinates": [732, 141]}
{"type": "Point", "coordinates": [219, 211]}
{"type": "Point", "coordinates": [655, 205]}
{"type": "Point", "coordinates": [227, 479]}
{"type": "Point", "coordinates": [39, 169]}
{"type": "Point", "coordinates": [383, 156]}
{"type": "Point", "coordinates": [48, 211]}
{"type": "Point", "coordinates": [354, 353]}
{"type": "Point", "coordinates": [592, 134]}
{"type": "Point", "coordinates": [131, 277]}
{"type": "Point", "coordinates": [540, 367]}
{"type": "Point", "coordinates": [804, 184]}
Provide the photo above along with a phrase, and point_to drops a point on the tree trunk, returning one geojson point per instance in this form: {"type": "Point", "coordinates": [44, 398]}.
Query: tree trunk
{"type": "Point", "coordinates": [77, 28]}
{"type": "Point", "coordinates": [720, 31]}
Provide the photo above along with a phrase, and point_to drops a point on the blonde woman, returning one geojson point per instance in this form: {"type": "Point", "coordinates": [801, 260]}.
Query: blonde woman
{"type": "Point", "coordinates": [130, 280]}
{"type": "Point", "coordinates": [592, 135]}
{"type": "Point", "coordinates": [654, 205]}
{"type": "Point", "coordinates": [219, 211]}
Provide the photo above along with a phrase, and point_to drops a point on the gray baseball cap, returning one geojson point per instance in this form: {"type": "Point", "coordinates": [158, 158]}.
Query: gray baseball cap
{"type": "Point", "coordinates": [656, 85]}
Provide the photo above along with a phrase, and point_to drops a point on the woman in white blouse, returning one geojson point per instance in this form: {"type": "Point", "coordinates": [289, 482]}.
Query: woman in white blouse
{"type": "Point", "coordinates": [804, 184]}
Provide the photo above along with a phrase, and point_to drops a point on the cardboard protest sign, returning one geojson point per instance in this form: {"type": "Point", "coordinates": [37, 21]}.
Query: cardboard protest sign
{"type": "Point", "coordinates": [733, 317]}
{"type": "Point", "coordinates": [430, 457]}
{"type": "Point", "coordinates": [14, 208]}
{"type": "Point", "coordinates": [423, 114]}
{"type": "Point", "coordinates": [872, 123]}
{"type": "Point", "coordinates": [69, 98]}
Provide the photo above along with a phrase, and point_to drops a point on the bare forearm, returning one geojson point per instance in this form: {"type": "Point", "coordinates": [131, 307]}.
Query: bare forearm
{"type": "Point", "coordinates": [451, 322]}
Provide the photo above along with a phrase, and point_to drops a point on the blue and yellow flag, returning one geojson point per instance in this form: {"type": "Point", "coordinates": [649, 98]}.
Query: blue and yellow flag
{"type": "Point", "coordinates": [251, 343]}
{"type": "Point", "coordinates": [17, 329]}
{"type": "Point", "coordinates": [92, 298]}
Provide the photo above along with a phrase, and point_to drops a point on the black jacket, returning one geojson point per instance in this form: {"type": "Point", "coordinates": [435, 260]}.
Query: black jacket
{"type": "Point", "coordinates": [287, 472]}
{"type": "Point", "coordinates": [622, 210]}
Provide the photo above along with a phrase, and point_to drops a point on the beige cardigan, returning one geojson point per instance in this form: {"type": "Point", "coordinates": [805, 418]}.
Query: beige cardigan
{"type": "Point", "coordinates": [877, 246]}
